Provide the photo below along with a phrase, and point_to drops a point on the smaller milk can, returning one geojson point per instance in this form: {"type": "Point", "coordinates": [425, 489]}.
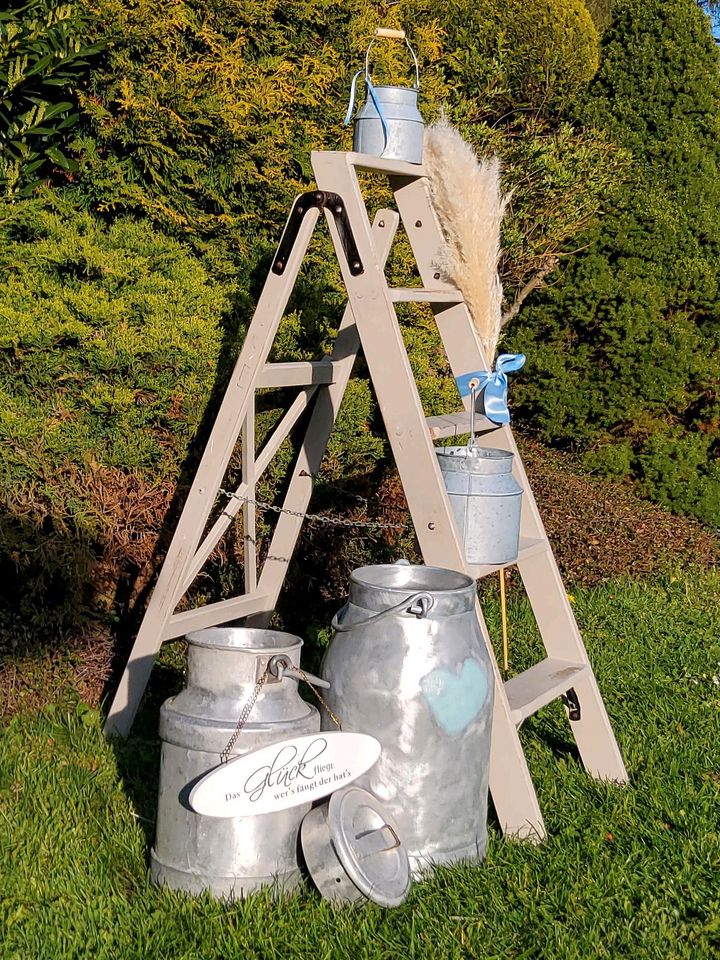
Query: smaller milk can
{"type": "Point", "coordinates": [389, 123]}
{"type": "Point", "coordinates": [230, 856]}
{"type": "Point", "coordinates": [408, 665]}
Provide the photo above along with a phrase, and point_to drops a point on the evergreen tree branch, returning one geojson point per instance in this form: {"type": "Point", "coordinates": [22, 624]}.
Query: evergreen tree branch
{"type": "Point", "coordinates": [535, 281]}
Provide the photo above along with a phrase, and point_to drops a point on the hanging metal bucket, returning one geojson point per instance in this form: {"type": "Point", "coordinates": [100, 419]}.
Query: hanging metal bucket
{"type": "Point", "coordinates": [486, 500]}
{"type": "Point", "coordinates": [409, 666]}
{"type": "Point", "coordinates": [389, 123]}
{"type": "Point", "coordinates": [231, 856]}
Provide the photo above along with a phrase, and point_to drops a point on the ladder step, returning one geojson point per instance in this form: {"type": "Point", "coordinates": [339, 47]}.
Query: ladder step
{"type": "Point", "coordinates": [425, 295]}
{"type": "Point", "coordinates": [394, 168]}
{"type": "Point", "coordinates": [529, 547]}
{"type": "Point", "coordinates": [456, 424]}
{"type": "Point", "coordinates": [213, 613]}
{"type": "Point", "coordinates": [540, 685]}
{"type": "Point", "coordinates": [299, 374]}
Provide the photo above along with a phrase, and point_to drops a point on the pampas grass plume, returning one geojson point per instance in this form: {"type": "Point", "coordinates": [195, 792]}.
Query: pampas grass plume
{"type": "Point", "coordinates": [470, 207]}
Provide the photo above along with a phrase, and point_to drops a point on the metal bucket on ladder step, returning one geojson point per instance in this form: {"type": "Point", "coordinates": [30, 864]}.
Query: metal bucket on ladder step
{"type": "Point", "coordinates": [485, 497]}
{"type": "Point", "coordinates": [389, 123]}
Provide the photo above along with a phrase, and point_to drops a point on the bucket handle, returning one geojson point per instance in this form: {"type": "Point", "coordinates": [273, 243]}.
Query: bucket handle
{"type": "Point", "coordinates": [392, 35]}
{"type": "Point", "coordinates": [420, 604]}
{"type": "Point", "coordinates": [474, 387]}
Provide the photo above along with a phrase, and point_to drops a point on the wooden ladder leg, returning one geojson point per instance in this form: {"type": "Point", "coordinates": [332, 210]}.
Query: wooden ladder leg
{"type": "Point", "coordinates": [556, 622]}
{"type": "Point", "coordinates": [327, 405]}
{"type": "Point", "coordinates": [559, 631]}
{"type": "Point", "coordinates": [513, 792]}
{"type": "Point", "coordinates": [546, 592]}
{"type": "Point", "coordinates": [223, 438]}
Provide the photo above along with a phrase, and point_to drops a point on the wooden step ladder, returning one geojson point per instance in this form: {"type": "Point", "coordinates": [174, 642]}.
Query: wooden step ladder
{"type": "Point", "coordinates": [370, 322]}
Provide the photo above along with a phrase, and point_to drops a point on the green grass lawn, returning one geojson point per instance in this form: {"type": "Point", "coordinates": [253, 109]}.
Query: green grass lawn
{"type": "Point", "coordinates": [628, 872]}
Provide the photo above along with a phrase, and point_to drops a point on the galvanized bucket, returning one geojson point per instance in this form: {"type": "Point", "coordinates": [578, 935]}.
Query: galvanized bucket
{"type": "Point", "coordinates": [230, 857]}
{"type": "Point", "coordinates": [486, 500]}
{"type": "Point", "coordinates": [409, 666]}
{"type": "Point", "coordinates": [389, 123]}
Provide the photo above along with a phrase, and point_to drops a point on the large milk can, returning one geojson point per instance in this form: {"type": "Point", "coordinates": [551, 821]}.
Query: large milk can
{"type": "Point", "coordinates": [409, 666]}
{"type": "Point", "coordinates": [228, 856]}
{"type": "Point", "coordinates": [486, 500]}
{"type": "Point", "coordinates": [389, 123]}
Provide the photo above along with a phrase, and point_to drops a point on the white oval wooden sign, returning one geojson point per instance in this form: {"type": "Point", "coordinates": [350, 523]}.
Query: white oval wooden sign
{"type": "Point", "coordinates": [284, 774]}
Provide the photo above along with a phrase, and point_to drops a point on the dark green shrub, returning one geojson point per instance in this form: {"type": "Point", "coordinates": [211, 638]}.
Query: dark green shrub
{"type": "Point", "coordinates": [44, 59]}
{"type": "Point", "coordinates": [624, 354]}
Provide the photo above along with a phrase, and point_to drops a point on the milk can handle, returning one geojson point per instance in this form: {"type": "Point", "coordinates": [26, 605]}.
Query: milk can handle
{"type": "Point", "coordinates": [392, 35]}
{"type": "Point", "coordinates": [420, 604]}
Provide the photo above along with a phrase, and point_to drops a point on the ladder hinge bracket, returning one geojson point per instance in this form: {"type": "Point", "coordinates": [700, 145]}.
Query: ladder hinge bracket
{"type": "Point", "coordinates": [322, 200]}
{"type": "Point", "coordinates": [572, 704]}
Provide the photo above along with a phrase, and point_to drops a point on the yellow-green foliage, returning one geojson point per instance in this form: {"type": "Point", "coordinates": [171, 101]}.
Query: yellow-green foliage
{"type": "Point", "coordinates": [109, 342]}
{"type": "Point", "coordinates": [206, 113]}
{"type": "Point", "coordinates": [200, 122]}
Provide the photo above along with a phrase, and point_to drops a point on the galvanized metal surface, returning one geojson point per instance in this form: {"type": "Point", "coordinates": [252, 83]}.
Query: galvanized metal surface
{"type": "Point", "coordinates": [486, 500]}
{"type": "Point", "coordinates": [369, 318]}
{"type": "Point", "coordinates": [353, 850]}
{"type": "Point", "coordinates": [402, 135]}
{"type": "Point", "coordinates": [234, 856]}
{"type": "Point", "coordinates": [422, 683]}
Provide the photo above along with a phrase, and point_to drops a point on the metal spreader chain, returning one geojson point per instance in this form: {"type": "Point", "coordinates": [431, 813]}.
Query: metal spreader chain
{"type": "Point", "coordinates": [246, 710]}
{"type": "Point", "coordinates": [319, 517]}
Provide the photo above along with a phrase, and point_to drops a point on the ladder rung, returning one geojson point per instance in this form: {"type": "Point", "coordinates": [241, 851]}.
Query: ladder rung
{"type": "Point", "coordinates": [529, 547]}
{"type": "Point", "coordinates": [456, 424]}
{"type": "Point", "coordinates": [214, 613]}
{"type": "Point", "coordinates": [425, 295]}
{"type": "Point", "coordinates": [299, 374]}
{"type": "Point", "coordinates": [394, 168]}
{"type": "Point", "coordinates": [540, 685]}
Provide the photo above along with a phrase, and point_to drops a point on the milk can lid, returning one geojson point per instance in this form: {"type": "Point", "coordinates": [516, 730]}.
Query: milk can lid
{"type": "Point", "coordinates": [366, 840]}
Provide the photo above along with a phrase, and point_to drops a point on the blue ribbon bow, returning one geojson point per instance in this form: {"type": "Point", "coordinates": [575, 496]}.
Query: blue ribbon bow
{"type": "Point", "coordinates": [494, 385]}
{"type": "Point", "coordinates": [376, 103]}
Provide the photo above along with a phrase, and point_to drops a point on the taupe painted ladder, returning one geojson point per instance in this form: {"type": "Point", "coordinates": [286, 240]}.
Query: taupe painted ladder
{"type": "Point", "coordinates": [370, 321]}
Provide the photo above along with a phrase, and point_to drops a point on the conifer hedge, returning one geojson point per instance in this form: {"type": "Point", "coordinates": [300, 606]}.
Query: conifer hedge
{"type": "Point", "coordinates": [624, 353]}
{"type": "Point", "coordinates": [126, 292]}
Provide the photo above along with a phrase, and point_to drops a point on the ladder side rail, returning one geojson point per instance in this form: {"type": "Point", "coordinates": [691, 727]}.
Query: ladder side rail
{"type": "Point", "coordinates": [345, 350]}
{"type": "Point", "coordinates": [248, 507]}
{"type": "Point", "coordinates": [389, 367]}
{"type": "Point", "coordinates": [541, 576]}
{"type": "Point", "coordinates": [219, 449]}
{"type": "Point", "coordinates": [514, 795]}
{"type": "Point", "coordinates": [547, 595]}
{"type": "Point", "coordinates": [236, 501]}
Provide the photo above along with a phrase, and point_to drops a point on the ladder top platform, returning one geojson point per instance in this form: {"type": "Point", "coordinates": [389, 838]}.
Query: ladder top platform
{"type": "Point", "coordinates": [363, 161]}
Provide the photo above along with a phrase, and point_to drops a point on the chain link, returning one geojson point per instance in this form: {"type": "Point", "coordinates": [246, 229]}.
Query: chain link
{"type": "Point", "coordinates": [244, 714]}
{"type": "Point", "coordinates": [246, 710]}
{"type": "Point", "coordinates": [320, 697]}
{"type": "Point", "coordinates": [319, 517]}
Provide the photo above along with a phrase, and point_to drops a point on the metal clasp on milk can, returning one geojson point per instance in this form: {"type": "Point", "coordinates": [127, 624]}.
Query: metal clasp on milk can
{"type": "Point", "coordinates": [389, 123]}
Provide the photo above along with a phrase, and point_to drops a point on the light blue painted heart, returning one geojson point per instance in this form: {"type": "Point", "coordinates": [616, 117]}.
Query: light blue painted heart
{"type": "Point", "coordinates": [456, 698]}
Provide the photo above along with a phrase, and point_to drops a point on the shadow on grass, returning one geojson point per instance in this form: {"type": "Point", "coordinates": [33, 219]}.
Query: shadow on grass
{"type": "Point", "coordinates": [138, 756]}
